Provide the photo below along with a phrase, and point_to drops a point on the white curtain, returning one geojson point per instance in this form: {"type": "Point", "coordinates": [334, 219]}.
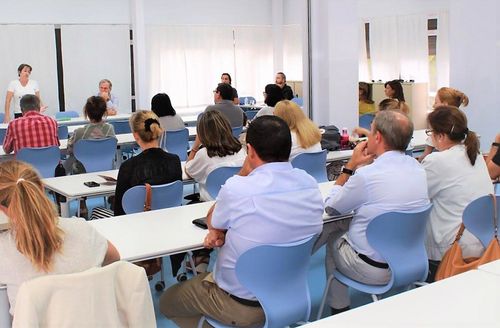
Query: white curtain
{"type": "Point", "coordinates": [443, 51]}
{"type": "Point", "coordinates": [92, 53]}
{"type": "Point", "coordinates": [292, 52]}
{"type": "Point", "coordinates": [33, 45]}
{"type": "Point", "coordinates": [384, 48]}
{"type": "Point", "coordinates": [363, 70]}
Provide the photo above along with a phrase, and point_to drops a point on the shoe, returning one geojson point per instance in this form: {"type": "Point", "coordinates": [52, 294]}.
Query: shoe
{"type": "Point", "coordinates": [337, 311]}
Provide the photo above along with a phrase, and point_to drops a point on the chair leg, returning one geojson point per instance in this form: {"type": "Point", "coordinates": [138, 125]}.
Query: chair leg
{"type": "Point", "coordinates": [323, 299]}
{"type": "Point", "coordinates": [191, 261]}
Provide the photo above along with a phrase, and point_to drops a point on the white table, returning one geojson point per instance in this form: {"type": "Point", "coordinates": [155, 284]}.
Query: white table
{"type": "Point", "coordinates": [492, 267]}
{"type": "Point", "coordinates": [471, 299]}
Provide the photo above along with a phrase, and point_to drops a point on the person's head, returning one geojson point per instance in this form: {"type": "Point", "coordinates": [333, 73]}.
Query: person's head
{"type": "Point", "coordinates": [95, 108]}
{"type": "Point", "coordinates": [389, 104]}
{"type": "Point", "coordinates": [280, 78]}
{"type": "Point", "coordinates": [24, 70]}
{"type": "Point", "coordinates": [225, 78]}
{"type": "Point", "coordinates": [216, 135]}
{"type": "Point", "coordinates": [29, 102]}
{"type": "Point", "coordinates": [365, 92]}
{"type": "Point", "coordinates": [448, 125]}
{"type": "Point", "coordinates": [450, 97]}
{"type": "Point", "coordinates": [269, 138]}
{"type": "Point", "coordinates": [32, 216]}
{"type": "Point", "coordinates": [391, 130]}
{"type": "Point", "coordinates": [105, 86]}
{"type": "Point", "coordinates": [307, 132]}
{"type": "Point", "coordinates": [162, 106]}
{"type": "Point", "coordinates": [394, 89]}
{"type": "Point", "coordinates": [272, 94]}
{"type": "Point", "coordinates": [145, 126]}
{"type": "Point", "coordinates": [223, 92]}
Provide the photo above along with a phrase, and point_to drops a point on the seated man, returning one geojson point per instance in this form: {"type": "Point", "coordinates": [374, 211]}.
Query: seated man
{"type": "Point", "coordinates": [493, 160]}
{"type": "Point", "coordinates": [33, 129]}
{"type": "Point", "coordinates": [280, 81]}
{"type": "Point", "coordinates": [246, 215]}
{"type": "Point", "coordinates": [379, 178]}
{"type": "Point", "coordinates": [226, 78]}
{"type": "Point", "coordinates": [105, 86]}
{"type": "Point", "coordinates": [223, 98]}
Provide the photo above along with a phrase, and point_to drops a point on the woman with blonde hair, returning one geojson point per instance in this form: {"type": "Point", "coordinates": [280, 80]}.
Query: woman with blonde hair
{"type": "Point", "coordinates": [306, 137]}
{"type": "Point", "coordinates": [37, 242]}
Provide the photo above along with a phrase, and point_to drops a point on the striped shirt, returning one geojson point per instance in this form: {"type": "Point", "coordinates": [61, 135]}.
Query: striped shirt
{"type": "Point", "coordinates": [31, 130]}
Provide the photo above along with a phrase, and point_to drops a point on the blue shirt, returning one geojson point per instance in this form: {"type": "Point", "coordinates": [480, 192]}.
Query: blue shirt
{"type": "Point", "coordinates": [274, 204]}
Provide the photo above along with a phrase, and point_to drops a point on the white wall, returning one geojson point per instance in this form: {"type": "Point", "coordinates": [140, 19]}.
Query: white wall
{"type": "Point", "coordinates": [370, 8]}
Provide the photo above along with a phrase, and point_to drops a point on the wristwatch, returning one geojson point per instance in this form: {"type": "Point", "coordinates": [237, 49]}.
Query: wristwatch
{"type": "Point", "coordinates": [347, 171]}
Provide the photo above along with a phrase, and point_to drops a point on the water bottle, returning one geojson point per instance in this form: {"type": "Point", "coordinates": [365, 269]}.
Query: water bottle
{"type": "Point", "coordinates": [344, 139]}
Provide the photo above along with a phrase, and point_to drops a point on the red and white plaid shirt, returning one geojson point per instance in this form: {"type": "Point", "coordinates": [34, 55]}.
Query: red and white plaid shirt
{"type": "Point", "coordinates": [31, 130]}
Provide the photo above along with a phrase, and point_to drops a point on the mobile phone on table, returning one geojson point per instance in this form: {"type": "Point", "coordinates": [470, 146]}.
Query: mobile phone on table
{"type": "Point", "coordinates": [201, 223]}
{"type": "Point", "coordinates": [91, 184]}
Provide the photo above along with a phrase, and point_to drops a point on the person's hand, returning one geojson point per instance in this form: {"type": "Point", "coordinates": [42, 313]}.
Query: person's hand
{"type": "Point", "coordinates": [110, 111]}
{"type": "Point", "coordinates": [6, 119]}
{"type": "Point", "coordinates": [497, 138]}
{"type": "Point", "coordinates": [43, 108]}
{"type": "Point", "coordinates": [360, 155]}
{"type": "Point", "coordinates": [214, 238]}
{"type": "Point", "coordinates": [104, 95]}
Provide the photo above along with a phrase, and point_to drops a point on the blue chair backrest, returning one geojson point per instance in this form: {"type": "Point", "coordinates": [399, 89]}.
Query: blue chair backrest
{"type": "Point", "coordinates": [3, 132]}
{"type": "Point", "coordinates": [478, 218]}
{"type": "Point", "coordinates": [95, 154]}
{"type": "Point", "coordinates": [2, 117]}
{"type": "Point", "coordinates": [5, 319]}
{"type": "Point", "coordinates": [176, 142]}
{"type": "Point", "coordinates": [365, 121]}
{"type": "Point", "coordinates": [121, 127]}
{"type": "Point", "coordinates": [62, 132]}
{"type": "Point", "coordinates": [67, 114]}
{"type": "Point", "coordinates": [277, 276]}
{"type": "Point", "coordinates": [247, 99]}
{"type": "Point", "coordinates": [251, 114]}
{"type": "Point", "coordinates": [312, 163]}
{"type": "Point", "coordinates": [399, 239]}
{"type": "Point", "coordinates": [237, 131]}
{"type": "Point", "coordinates": [44, 159]}
{"type": "Point", "coordinates": [163, 196]}
{"type": "Point", "coordinates": [218, 177]}
{"type": "Point", "coordinates": [298, 100]}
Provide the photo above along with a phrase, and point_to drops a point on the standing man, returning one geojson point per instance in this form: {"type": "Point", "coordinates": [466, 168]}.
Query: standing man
{"type": "Point", "coordinates": [226, 78]}
{"type": "Point", "coordinates": [223, 98]}
{"type": "Point", "coordinates": [33, 129]}
{"type": "Point", "coordinates": [105, 86]}
{"type": "Point", "coordinates": [281, 82]}
{"type": "Point", "coordinates": [246, 216]}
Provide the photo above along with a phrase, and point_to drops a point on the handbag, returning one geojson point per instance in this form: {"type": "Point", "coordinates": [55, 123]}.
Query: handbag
{"type": "Point", "coordinates": [453, 262]}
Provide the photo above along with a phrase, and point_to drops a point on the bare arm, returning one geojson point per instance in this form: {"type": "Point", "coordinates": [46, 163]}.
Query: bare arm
{"type": "Point", "coordinates": [112, 255]}
{"type": "Point", "coordinates": [214, 237]}
{"type": "Point", "coordinates": [493, 168]}
{"type": "Point", "coordinates": [428, 149]}
{"type": "Point", "coordinates": [8, 100]}
{"type": "Point", "coordinates": [359, 157]}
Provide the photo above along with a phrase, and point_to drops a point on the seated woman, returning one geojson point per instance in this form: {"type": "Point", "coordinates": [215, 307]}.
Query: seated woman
{"type": "Point", "coordinates": [162, 107]}
{"type": "Point", "coordinates": [456, 175]}
{"type": "Point", "coordinates": [386, 104]}
{"type": "Point", "coordinates": [493, 160]}
{"type": "Point", "coordinates": [394, 90]}
{"type": "Point", "coordinates": [445, 97]}
{"type": "Point", "coordinates": [38, 242]}
{"type": "Point", "coordinates": [306, 137]}
{"type": "Point", "coordinates": [272, 94]}
{"type": "Point", "coordinates": [215, 146]}
{"type": "Point", "coordinates": [365, 100]}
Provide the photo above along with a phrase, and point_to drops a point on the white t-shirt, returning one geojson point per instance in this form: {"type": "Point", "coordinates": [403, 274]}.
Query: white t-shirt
{"type": "Point", "coordinates": [19, 91]}
{"type": "Point", "coordinates": [83, 248]}
{"type": "Point", "coordinates": [201, 165]}
{"type": "Point", "coordinates": [297, 149]}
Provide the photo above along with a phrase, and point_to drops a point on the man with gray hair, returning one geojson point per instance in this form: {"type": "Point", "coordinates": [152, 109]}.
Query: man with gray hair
{"type": "Point", "coordinates": [379, 178]}
{"type": "Point", "coordinates": [111, 100]}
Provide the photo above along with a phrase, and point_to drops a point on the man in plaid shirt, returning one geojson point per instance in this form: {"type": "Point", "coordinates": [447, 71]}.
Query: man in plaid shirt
{"type": "Point", "coordinates": [33, 129]}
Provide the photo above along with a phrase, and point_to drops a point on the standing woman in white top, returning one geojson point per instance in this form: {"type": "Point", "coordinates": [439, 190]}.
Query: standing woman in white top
{"type": "Point", "coordinates": [456, 175]}
{"type": "Point", "coordinates": [20, 87]}
{"type": "Point", "coordinates": [306, 137]}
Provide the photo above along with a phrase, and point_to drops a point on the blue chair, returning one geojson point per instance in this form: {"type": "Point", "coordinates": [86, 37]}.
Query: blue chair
{"type": "Point", "coordinates": [299, 101]}
{"type": "Point", "coordinates": [218, 177]}
{"type": "Point", "coordinates": [497, 188]}
{"type": "Point", "coordinates": [399, 239]}
{"type": "Point", "coordinates": [237, 131]}
{"type": "Point", "coordinates": [163, 196]}
{"type": "Point", "coordinates": [67, 114]}
{"type": "Point", "coordinates": [478, 218]}
{"type": "Point", "coordinates": [121, 127]}
{"type": "Point", "coordinates": [247, 99]}
{"type": "Point", "coordinates": [2, 117]}
{"type": "Point", "coordinates": [251, 114]}
{"type": "Point", "coordinates": [312, 163]}
{"type": "Point", "coordinates": [95, 154]}
{"type": "Point", "coordinates": [62, 132]}
{"type": "Point", "coordinates": [3, 132]}
{"type": "Point", "coordinates": [44, 159]}
{"type": "Point", "coordinates": [365, 121]}
{"type": "Point", "coordinates": [176, 142]}
{"type": "Point", "coordinates": [277, 276]}
{"type": "Point", "coordinates": [5, 318]}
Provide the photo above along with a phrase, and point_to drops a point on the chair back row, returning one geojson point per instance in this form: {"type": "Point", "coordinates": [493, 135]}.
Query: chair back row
{"type": "Point", "coordinates": [312, 163]}
{"type": "Point", "coordinates": [176, 142]}
{"type": "Point", "coordinates": [163, 196]}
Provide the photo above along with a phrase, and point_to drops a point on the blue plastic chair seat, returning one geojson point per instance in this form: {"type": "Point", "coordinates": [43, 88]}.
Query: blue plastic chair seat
{"type": "Point", "coordinates": [218, 177]}
{"type": "Point", "coordinates": [478, 218]}
{"type": "Point", "coordinates": [176, 142]}
{"type": "Point", "coordinates": [313, 163]}
{"type": "Point", "coordinates": [163, 196]}
{"type": "Point", "coordinates": [365, 121]}
{"type": "Point", "coordinates": [44, 159]}
{"type": "Point", "coordinates": [96, 154]}
{"type": "Point", "coordinates": [121, 127]}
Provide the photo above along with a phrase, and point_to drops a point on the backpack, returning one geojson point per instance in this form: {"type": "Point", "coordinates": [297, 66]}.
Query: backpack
{"type": "Point", "coordinates": [330, 137]}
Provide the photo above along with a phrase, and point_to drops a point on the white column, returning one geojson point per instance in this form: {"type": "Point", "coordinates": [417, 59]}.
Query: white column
{"type": "Point", "coordinates": [277, 20]}
{"type": "Point", "coordinates": [140, 72]}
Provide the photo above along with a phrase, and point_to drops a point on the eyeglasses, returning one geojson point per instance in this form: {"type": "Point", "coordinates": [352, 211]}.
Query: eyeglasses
{"type": "Point", "coordinates": [429, 132]}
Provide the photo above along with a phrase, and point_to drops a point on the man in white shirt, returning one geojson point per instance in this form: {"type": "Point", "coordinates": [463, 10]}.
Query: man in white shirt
{"type": "Point", "coordinates": [269, 202]}
{"type": "Point", "coordinates": [379, 178]}
{"type": "Point", "coordinates": [105, 86]}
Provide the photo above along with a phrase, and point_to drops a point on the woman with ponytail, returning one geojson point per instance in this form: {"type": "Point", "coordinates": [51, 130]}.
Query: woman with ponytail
{"type": "Point", "coordinates": [456, 175]}
{"type": "Point", "coordinates": [37, 242]}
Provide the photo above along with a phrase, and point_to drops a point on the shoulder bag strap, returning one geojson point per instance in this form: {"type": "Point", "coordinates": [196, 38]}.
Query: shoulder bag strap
{"type": "Point", "coordinates": [147, 201]}
{"type": "Point", "coordinates": [460, 232]}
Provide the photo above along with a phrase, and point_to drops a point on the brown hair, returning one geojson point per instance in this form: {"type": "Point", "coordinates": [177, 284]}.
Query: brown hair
{"type": "Point", "coordinates": [32, 216]}
{"type": "Point", "coordinates": [307, 132]}
{"type": "Point", "coordinates": [449, 120]}
{"type": "Point", "coordinates": [366, 94]}
{"type": "Point", "coordinates": [95, 108]}
{"type": "Point", "coordinates": [145, 123]}
{"type": "Point", "coordinates": [389, 104]}
{"type": "Point", "coordinates": [216, 134]}
{"type": "Point", "coordinates": [452, 97]}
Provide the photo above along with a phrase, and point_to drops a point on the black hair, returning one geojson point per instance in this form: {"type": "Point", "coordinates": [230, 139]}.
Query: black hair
{"type": "Point", "coordinates": [95, 108]}
{"type": "Point", "coordinates": [274, 94]}
{"type": "Point", "coordinates": [229, 76]}
{"type": "Point", "coordinates": [20, 68]}
{"type": "Point", "coordinates": [162, 106]}
{"type": "Point", "coordinates": [225, 90]}
{"type": "Point", "coordinates": [270, 137]}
